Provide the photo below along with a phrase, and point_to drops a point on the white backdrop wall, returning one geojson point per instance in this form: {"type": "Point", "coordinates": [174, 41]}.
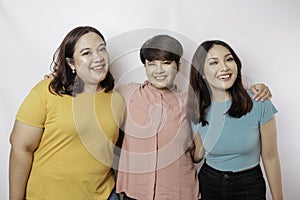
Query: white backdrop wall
{"type": "Point", "coordinates": [264, 33]}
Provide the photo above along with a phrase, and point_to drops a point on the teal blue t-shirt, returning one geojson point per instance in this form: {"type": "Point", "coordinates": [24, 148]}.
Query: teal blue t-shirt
{"type": "Point", "coordinates": [233, 144]}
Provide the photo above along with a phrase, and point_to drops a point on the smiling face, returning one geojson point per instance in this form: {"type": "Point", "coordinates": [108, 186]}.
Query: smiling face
{"type": "Point", "coordinates": [161, 74]}
{"type": "Point", "coordinates": [90, 60]}
{"type": "Point", "coordinates": [220, 69]}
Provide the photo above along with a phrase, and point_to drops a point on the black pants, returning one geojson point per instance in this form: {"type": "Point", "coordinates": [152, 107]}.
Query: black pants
{"type": "Point", "coordinates": [126, 197]}
{"type": "Point", "coordinates": [245, 185]}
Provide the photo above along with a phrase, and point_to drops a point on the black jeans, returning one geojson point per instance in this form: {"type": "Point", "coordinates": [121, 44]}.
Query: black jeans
{"type": "Point", "coordinates": [245, 185]}
{"type": "Point", "coordinates": [126, 197]}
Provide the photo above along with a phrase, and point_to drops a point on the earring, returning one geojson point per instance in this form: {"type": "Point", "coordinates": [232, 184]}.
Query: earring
{"type": "Point", "coordinates": [203, 77]}
{"type": "Point", "coordinates": [73, 71]}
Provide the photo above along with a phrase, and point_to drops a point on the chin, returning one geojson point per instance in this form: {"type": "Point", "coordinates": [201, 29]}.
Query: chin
{"type": "Point", "coordinates": [160, 87]}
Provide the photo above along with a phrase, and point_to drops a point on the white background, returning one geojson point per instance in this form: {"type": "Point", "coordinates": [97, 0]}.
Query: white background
{"type": "Point", "coordinates": [264, 33]}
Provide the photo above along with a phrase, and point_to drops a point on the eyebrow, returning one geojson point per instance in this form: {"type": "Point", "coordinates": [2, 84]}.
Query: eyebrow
{"type": "Point", "coordinates": [213, 58]}
{"type": "Point", "coordinates": [229, 54]}
{"type": "Point", "coordinates": [84, 49]}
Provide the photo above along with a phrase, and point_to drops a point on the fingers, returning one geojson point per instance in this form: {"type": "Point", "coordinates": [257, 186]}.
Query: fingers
{"type": "Point", "coordinates": [263, 94]}
{"type": "Point", "coordinates": [270, 95]}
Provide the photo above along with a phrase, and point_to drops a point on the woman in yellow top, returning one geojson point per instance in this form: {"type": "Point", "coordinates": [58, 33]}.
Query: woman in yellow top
{"type": "Point", "coordinates": [66, 128]}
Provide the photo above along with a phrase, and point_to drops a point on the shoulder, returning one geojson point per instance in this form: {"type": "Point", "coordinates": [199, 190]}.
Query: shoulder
{"type": "Point", "coordinates": [42, 87]}
{"type": "Point", "coordinates": [257, 103]}
{"type": "Point", "coordinates": [127, 88]}
{"type": "Point", "coordinates": [42, 84]}
{"type": "Point", "coordinates": [116, 95]}
{"type": "Point", "coordinates": [264, 109]}
{"type": "Point", "coordinates": [181, 95]}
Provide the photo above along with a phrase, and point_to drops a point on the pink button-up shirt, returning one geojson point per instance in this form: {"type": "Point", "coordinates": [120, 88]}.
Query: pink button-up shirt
{"type": "Point", "coordinates": [156, 161]}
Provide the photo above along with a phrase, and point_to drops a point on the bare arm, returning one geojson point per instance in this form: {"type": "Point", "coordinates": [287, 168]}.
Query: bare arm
{"type": "Point", "coordinates": [24, 141]}
{"type": "Point", "coordinates": [261, 92]}
{"type": "Point", "coordinates": [199, 150]}
{"type": "Point", "coordinates": [270, 158]}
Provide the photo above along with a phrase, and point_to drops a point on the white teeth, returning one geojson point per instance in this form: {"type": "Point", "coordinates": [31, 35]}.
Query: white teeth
{"type": "Point", "coordinates": [224, 76]}
{"type": "Point", "coordinates": [97, 68]}
{"type": "Point", "coordinates": [160, 77]}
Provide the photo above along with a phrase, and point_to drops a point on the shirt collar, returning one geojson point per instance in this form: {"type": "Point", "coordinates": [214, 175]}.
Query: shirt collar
{"type": "Point", "coordinates": [153, 89]}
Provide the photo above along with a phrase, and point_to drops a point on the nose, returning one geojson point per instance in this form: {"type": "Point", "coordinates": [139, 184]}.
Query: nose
{"type": "Point", "coordinates": [223, 66]}
{"type": "Point", "coordinates": [98, 57]}
{"type": "Point", "coordinates": [159, 68]}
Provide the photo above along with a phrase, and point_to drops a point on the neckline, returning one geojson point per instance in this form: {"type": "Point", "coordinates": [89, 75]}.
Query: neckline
{"type": "Point", "coordinates": [221, 102]}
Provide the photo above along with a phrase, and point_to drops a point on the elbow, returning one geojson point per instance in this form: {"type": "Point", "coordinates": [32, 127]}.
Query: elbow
{"type": "Point", "coordinates": [197, 159]}
{"type": "Point", "coordinates": [198, 156]}
{"type": "Point", "coordinates": [271, 155]}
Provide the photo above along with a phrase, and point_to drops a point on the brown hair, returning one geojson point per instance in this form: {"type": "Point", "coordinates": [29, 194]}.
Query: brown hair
{"type": "Point", "coordinates": [65, 81]}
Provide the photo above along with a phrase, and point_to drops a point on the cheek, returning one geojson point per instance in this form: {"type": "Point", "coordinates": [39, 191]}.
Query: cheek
{"type": "Point", "coordinates": [206, 71]}
{"type": "Point", "coordinates": [82, 62]}
{"type": "Point", "coordinates": [173, 75]}
{"type": "Point", "coordinates": [149, 72]}
{"type": "Point", "coordinates": [107, 58]}
{"type": "Point", "coordinates": [236, 72]}
{"type": "Point", "coordinates": [209, 74]}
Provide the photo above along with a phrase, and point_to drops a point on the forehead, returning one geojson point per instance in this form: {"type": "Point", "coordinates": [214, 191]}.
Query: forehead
{"type": "Point", "coordinates": [217, 51]}
{"type": "Point", "coordinates": [89, 40]}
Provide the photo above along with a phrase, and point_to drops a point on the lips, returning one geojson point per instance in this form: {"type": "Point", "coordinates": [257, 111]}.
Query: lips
{"type": "Point", "coordinates": [99, 67]}
{"type": "Point", "coordinates": [160, 78]}
{"type": "Point", "coordinates": [224, 76]}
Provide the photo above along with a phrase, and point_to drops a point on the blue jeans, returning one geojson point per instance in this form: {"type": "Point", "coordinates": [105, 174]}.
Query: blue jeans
{"type": "Point", "coordinates": [245, 185]}
{"type": "Point", "coordinates": [113, 195]}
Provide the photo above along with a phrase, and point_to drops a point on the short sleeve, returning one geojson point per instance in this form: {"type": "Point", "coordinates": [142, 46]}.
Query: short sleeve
{"type": "Point", "coordinates": [268, 110]}
{"type": "Point", "coordinates": [119, 108]}
{"type": "Point", "coordinates": [33, 109]}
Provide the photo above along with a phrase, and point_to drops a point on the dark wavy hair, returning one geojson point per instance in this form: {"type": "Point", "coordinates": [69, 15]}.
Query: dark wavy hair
{"type": "Point", "coordinates": [65, 82]}
{"type": "Point", "coordinates": [199, 92]}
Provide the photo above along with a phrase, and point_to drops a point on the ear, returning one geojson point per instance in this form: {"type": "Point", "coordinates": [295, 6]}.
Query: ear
{"type": "Point", "coordinates": [70, 63]}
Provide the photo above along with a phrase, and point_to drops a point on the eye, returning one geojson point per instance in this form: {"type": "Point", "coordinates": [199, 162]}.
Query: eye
{"type": "Point", "coordinates": [102, 49]}
{"type": "Point", "coordinates": [151, 64]}
{"type": "Point", "coordinates": [212, 63]}
{"type": "Point", "coordinates": [85, 53]}
{"type": "Point", "coordinates": [166, 62]}
{"type": "Point", "coordinates": [230, 59]}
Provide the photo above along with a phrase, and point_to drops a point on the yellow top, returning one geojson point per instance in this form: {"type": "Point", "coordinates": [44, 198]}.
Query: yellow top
{"type": "Point", "coordinates": [74, 158]}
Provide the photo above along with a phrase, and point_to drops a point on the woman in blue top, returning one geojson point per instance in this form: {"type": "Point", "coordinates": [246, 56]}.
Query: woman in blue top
{"type": "Point", "coordinates": [233, 130]}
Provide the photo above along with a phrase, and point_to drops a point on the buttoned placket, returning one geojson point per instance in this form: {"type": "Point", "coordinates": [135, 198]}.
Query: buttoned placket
{"type": "Point", "coordinates": [159, 98]}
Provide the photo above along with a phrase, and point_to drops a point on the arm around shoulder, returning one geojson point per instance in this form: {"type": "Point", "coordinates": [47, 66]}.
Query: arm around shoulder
{"type": "Point", "coordinates": [261, 92]}
{"type": "Point", "coordinates": [199, 150]}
